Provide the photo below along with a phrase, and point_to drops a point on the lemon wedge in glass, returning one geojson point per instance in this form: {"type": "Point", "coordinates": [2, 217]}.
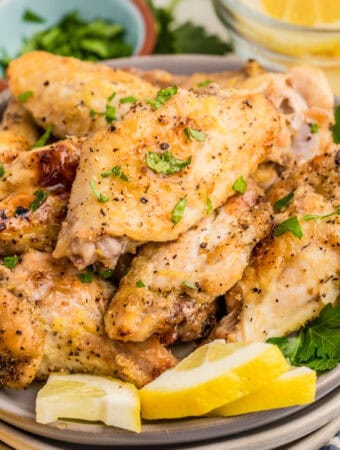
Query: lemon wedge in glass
{"type": "Point", "coordinates": [91, 398]}
{"type": "Point", "coordinates": [296, 387]}
{"type": "Point", "coordinates": [211, 376]}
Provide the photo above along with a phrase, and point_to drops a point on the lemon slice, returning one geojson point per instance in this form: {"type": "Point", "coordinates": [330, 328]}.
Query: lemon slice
{"type": "Point", "coordinates": [89, 397]}
{"type": "Point", "coordinates": [214, 374]}
{"type": "Point", "coordinates": [304, 12]}
{"type": "Point", "coordinates": [296, 387]}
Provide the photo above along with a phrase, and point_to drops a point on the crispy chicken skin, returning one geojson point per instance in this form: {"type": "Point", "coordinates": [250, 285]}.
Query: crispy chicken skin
{"type": "Point", "coordinates": [238, 135]}
{"type": "Point", "coordinates": [289, 280]}
{"type": "Point", "coordinates": [20, 122]}
{"type": "Point", "coordinates": [183, 278]}
{"type": "Point", "coordinates": [51, 321]}
{"type": "Point", "coordinates": [66, 90]}
{"type": "Point", "coordinates": [50, 169]}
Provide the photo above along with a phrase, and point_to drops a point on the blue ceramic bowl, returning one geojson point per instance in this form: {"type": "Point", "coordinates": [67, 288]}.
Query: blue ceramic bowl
{"type": "Point", "coordinates": [133, 15]}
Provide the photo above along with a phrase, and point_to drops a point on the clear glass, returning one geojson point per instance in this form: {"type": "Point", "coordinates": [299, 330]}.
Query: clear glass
{"type": "Point", "coordinates": [277, 44]}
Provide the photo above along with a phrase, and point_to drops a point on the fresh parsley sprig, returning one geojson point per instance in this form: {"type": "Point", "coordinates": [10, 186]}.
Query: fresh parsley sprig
{"type": "Point", "coordinates": [316, 345]}
{"type": "Point", "coordinates": [165, 162]}
{"type": "Point", "coordinates": [336, 126]}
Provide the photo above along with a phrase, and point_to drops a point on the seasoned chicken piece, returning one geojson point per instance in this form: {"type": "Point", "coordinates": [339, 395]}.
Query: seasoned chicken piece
{"type": "Point", "coordinates": [20, 122]}
{"type": "Point", "coordinates": [34, 192]}
{"type": "Point", "coordinates": [159, 78]}
{"type": "Point", "coordinates": [11, 145]}
{"type": "Point", "coordinates": [218, 140]}
{"type": "Point", "coordinates": [170, 288]}
{"type": "Point", "coordinates": [289, 280]}
{"type": "Point", "coordinates": [75, 97]}
{"type": "Point", "coordinates": [51, 321]}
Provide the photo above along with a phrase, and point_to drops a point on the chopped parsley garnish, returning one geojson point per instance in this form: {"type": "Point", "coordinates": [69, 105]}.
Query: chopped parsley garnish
{"type": "Point", "coordinates": [140, 284]}
{"type": "Point", "coordinates": [208, 206]}
{"type": "Point", "coordinates": [44, 138]}
{"type": "Point", "coordinates": [93, 113]}
{"type": "Point", "coordinates": [314, 128]}
{"type": "Point", "coordinates": [110, 113]}
{"type": "Point", "coordinates": [283, 203]}
{"type": "Point", "coordinates": [191, 134]}
{"type": "Point", "coordinates": [240, 185]}
{"type": "Point", "coordinates": [290, 225]}
{"type": "Point", "coordinates": [106, 274]}
{"type": "Point", "coordinates": [336, 126]}
{"type": "Point", "coordinates": [11, 261]}
{"type": "Point", "coordinates": [24, 96]}
{"type": "Point", "coordinates": [189, 285]}
{"type": "Point", "coordinates": [30, 16]}
{"type": "Point", "coordinates": [99, 196]}
{"type": "Point", "coordinates": [40, 198]}
{"type": "Point", "coordinates": [117, 172]}
{"type": "Point", "coordinates": [112, 96]}
{"type": "Point", "coordinates": [316, 345]}
{"type": "Point", "coordinates": [165, 162]}
{"type": "Point", "coordinates": [129, 99]}
{"type": "Point", "coordinates": [317, 216]}
{"type": "Point", "coordinates": [204, 83]}
{"type": "Point", "coordinates": [86, 277]}
{"type": "Point", "coordinates": [178, 211]}
{"type": "Point", "coordinates": [162, 97]}
{"type": "Point", "coordinates": [2, 170]}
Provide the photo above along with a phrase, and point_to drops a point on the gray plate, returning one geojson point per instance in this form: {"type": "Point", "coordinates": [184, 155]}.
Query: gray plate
{"type": "Point", "coordinates": [17, 407]}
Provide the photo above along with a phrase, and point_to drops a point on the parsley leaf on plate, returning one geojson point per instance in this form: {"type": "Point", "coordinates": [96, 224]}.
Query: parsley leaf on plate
{"type": "Point", "coordinates": [165, 162]}
{"type": "Point", "coordinates": [283, 203]}
{"type": "Point", "coordinates": [99, 196]}
{"type": "Point", "coordinates": [240, 185]}
{"type": "Point", "coordinates": [24, 96]}
{"type": "Point", "coordinates": [317, 216]}
{"type": "Point", "coordinates": [11, 261]}
{"type": "Point", "coordinates": [178, 211]}
{"type": "Point", "coordinates": [336, 126]}
{"type": "Point", "coordinates": [40, 198]}
{"type": "Point", "coordinates": [290, 225]}
{"type": "Point", "coordinates": [191, 134]}
{"type": "Point", "coordinates": [162, 97]}
{"type": "Point", "coordinates": [44, 137]}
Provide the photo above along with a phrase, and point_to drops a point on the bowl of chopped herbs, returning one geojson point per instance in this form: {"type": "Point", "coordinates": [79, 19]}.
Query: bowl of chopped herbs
{"type": "Point", "coordinates": [86, 29]}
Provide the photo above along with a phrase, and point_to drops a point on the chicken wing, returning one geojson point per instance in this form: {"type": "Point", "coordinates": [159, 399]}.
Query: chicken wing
{"type": "Point", "coordinates": [34, 192]}
{"type": "Point", "coordinates": [170, 288]}
{"type": "Point", "coordinates": [51, 321]}
{"type": "Point", "coordinates": [75, 97]}
{"type": "Point", "coordinates": [20, 122]}
{"type": "Point", "coordinates": [112, 214]}
{"type": "Point", "coordinates": [289, 280]}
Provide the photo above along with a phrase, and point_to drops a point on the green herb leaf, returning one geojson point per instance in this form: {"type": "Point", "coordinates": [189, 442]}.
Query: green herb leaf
{"type": "Point", "coordinates": [317, 216]}
{"type": "Point", "coordinates": [240, 185]}
{"type": "Point", "coordinates": [25, 96]}
{"type": "Point", "coordinates": [140, 284]}
{"type": "Point", "coordinates": [314, 128]}
{"type": "Point", "coordinates": [128, 100]}
{"type": "Point", "coordinates": [204, 83]}
{"type": "Point", "coordinates": [44, 138]}
{"type": "Point", "coordinates": [106, 274]}
{"type": "Point", "coordinates": [2, 170]}
{"type": "Point", "coordinates": [165, 162]}
{"type": "Point", "coordinates": [336, 126]}
{"type": "Point", "coordinates": [40, 198]}
{"type": "Point", "coordinates": [117, 172]}
{"type": "Point", "coordinates": [112, 96]}
{"type": "Point", "coordinates": [178, 211]}
{"type": "Point", "coordinates": [191, 134]}
{"type": "Point", "coordinates": [162, 97]}
{"type": "Point", "coordinates": [99, 196]}
{"type": "Point", "coordinates": [283, 203]}
{"type": "Point", "coordinates": [110, 113]}
{"type": "Point", "coordinates": [11, 261]}
{"type": "Point", "coordinates": [316, 345]}
{"type": "Point", "coordinates": [86, 277]}
{"type": "Point", "coordinates": [290, 225]}
{"type": "Point", "coordinates": [189, 285]}
{"type": "Point", "coordinates": [30, 16]}
{"type": "Point", "coordinates": [208, 206]}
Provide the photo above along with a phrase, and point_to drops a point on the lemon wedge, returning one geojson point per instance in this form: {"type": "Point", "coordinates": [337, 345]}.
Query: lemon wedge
{"type": "Point", "coordinates": [296, 387]}
{"type": "Point", "coordinates": [304, 12]}
{"type": "Point", "coordinates": [211, 376]}
{"type": "Point", "coordinates": [91, 398]}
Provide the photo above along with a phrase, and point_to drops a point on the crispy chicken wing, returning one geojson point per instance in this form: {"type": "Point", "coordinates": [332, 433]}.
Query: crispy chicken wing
{"type": "Point", "coordinates": [180, 280]}
{"type": "Point", "coordinates": [235, 135]}
{"type": "Point", "coordinates": [51, 321]}
{"type": "Point", "coordinates": [76, 97]}
{"type": "Point", "coordinates": [289, 280]}
{"type": "Point", "coordinates": [48, 172]}
{"type": "Point", "coordinates": [20, 122]}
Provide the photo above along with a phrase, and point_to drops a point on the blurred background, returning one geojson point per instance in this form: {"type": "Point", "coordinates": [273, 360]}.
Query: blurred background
{"type": "Point", "coordinates": [278, 33]}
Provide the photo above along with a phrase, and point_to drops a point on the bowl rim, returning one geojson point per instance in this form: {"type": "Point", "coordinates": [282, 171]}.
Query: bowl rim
{"type": "Point", "coordinates": [237, 6]}
{"type": "Point", "coordinates": [150, 35]}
